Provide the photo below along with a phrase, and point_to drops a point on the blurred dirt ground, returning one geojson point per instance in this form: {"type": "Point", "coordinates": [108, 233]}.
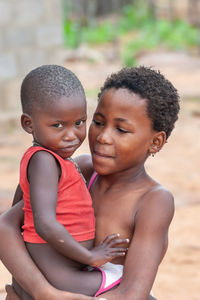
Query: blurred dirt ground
{"type": "Point", "coordinates": [176, 166]}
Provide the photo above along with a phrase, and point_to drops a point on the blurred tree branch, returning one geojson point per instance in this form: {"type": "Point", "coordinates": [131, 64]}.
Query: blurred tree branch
{"type": "Point", "coordinates": [193, 12]}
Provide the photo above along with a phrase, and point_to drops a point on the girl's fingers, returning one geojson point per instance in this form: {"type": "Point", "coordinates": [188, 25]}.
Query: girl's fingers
{"type": "Point", "coordinates": [11, 295]}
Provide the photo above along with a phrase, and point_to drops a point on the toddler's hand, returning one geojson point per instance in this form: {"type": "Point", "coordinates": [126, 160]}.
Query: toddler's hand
{"type": "Point", "coordinates": [108, 250]}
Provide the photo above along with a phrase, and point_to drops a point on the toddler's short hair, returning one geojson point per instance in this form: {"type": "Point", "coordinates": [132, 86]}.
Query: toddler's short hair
{"type": "Point", "coordinates": [161, 96]}
{"type": "Point", "coordinates": [47, 84]}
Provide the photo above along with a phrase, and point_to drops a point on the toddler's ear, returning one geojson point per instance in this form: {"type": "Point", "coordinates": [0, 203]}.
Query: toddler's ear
{"type": "Point", "coordinates": [159, 139]}
{"type": "Point", "coordinates": [26, 122]}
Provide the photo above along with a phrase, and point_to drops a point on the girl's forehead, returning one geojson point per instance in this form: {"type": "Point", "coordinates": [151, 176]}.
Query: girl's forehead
{"type": "Point", "coordinates": [121, 95]}
{"type": "Point", "coordinates": [124, 106]}
{"type": "Point", "coordinates": [122, 100]}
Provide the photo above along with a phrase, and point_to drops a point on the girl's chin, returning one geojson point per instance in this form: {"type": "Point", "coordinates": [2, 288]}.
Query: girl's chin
{"type": "Point", "coordinates": [101, 170]}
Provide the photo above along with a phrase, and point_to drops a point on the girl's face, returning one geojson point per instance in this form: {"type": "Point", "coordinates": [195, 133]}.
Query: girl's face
{"type": "Point", "coordinates": [121, 132]}
{"type": "Point", "coordinates": [61, 127]}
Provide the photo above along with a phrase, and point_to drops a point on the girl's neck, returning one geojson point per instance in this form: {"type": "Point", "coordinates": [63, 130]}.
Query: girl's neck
{"type": "Point", "coordinates": [134, 176]}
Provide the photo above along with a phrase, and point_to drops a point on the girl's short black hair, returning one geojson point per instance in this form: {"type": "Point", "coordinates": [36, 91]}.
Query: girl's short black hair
{"type": "Point", "coordinates": [161, 96]}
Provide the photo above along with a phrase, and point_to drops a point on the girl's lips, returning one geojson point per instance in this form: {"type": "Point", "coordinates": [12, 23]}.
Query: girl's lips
{"type": "Point", "coordinates": [101, 154]}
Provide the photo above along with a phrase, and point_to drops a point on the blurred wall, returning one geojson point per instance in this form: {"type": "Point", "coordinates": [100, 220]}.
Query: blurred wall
{"type": "Point", "coordinates": [30, 35]}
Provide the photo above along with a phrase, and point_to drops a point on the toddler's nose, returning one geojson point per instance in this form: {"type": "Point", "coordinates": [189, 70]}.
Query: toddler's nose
{"type": "Point", "coordinates": [69, 136]}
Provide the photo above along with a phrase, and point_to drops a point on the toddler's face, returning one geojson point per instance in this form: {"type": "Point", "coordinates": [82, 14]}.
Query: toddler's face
{"type": "Point", "coordinates": [121, 132]}
{"type": "Point", "coordinates": [61, 127]}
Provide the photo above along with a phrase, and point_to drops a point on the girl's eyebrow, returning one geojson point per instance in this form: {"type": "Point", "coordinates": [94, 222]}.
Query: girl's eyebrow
{"type": "Point", "coordinates": [99, 114]}
{"type": "Point", "coordinates": [122, 120]}
{"type": "Point", "coordinates": [116, 119]}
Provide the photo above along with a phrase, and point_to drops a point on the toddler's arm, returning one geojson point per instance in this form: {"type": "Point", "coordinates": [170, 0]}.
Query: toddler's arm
{"type": "Point", "coordinates": [43, 175]}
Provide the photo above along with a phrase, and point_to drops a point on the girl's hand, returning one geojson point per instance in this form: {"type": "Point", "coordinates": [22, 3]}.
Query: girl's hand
{"type": "Point", "coordinates": [11, 295]}
{"type": "Point", "coordinates": [57, 295]}
{"type": "Point", "coordinates": [108, 250]}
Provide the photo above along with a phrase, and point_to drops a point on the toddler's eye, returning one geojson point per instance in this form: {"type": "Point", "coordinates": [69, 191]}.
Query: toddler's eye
{"type": "Point", "coordinates": [80, 122]}
{"type": "Point", "coordinates": [58, 125]}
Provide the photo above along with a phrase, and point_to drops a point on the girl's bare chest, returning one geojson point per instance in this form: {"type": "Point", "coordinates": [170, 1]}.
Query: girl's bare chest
{"type": "Point", "coordinates": [114, 213]}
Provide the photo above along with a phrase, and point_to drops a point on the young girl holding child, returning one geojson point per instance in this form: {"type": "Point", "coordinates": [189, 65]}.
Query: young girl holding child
{"type": "Point", "coordinates": [135, 115]}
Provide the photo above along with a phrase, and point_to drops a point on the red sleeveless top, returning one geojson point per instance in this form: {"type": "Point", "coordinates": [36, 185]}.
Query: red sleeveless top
{"type": "Point", "coordinates": [74, 205]}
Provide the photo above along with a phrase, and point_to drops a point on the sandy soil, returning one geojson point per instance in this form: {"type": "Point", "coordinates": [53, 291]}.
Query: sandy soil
{"type": "Point", "coordinates": [176, 166]}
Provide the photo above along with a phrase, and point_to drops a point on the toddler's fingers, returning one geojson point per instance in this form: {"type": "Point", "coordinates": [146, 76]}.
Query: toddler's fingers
{"type": "Point", "coordinates": [117, 241]}
{"type": "Point", "coordinates": [117, 254]}
{"type": "Point", "coordinates": [111, 237]}
{"type": "Point", "coordinates": [118, 250]}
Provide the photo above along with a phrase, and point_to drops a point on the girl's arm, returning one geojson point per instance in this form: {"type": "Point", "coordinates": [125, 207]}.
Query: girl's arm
{"type": "Point", "coordinates": [84, 162]}
{"type": "Point", "coordinates": [15, 257]}
{"type": "Point", "coordinates": [18, 196]}
{"type": "Point", "coordinates": [43, 175]}
{"type": "Point", "coordinates": [147, 247]}
{"type": "Point", "coordinates": [17, 260]}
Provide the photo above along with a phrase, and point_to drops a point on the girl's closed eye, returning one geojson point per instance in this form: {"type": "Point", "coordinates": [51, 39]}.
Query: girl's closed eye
{"type": "Point", "coordinates": [97, 122]}
{"type": "Point", "coordinates": [122, 130]}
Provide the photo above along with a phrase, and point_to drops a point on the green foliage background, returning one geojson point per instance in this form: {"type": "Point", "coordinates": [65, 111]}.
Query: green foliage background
{"type": "Point", "coordinates": [148, 33]}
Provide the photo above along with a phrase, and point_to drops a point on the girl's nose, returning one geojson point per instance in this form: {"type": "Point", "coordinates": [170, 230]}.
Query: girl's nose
{"type": "Point", "coordinates": [104, 137]}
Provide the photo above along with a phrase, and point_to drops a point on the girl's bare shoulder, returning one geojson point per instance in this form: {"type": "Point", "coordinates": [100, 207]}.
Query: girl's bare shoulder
{"type": "Point", "coordinates": [157, 205]}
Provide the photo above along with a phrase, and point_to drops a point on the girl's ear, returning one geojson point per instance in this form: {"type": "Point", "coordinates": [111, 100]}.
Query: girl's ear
{"type": "Point", "coordinates": [27, 123]}
{"type": "Point", "coordinates": [159, 139]}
